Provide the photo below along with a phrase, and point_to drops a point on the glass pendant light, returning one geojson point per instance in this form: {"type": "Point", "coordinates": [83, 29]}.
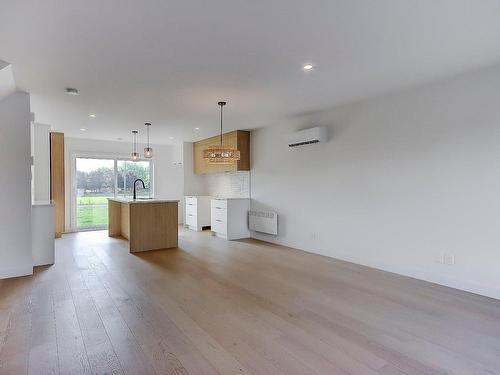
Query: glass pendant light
{"type": "Point", "coordinates": [148, 151]}
{"type": "Point", "coordinates": [220, 154]}
{"type": "Point", "coordinates": [135, 154]}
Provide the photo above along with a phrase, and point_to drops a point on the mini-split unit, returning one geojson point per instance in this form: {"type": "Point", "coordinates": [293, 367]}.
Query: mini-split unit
{"type": "Point", "coordinates": [318, 134]}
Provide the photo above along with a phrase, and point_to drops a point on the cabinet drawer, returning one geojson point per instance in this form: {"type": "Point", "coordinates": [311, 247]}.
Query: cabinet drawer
{"type": "Point", "coordinates": [218, 203]}
{"type": "Point", "coordinates": [191, 210]}
{"type": "Point", "coordinates": [220, 215]}
{"type": "Point", "coordinates": [191, 201]}
{"type": "Point", "coordinates": [219, 227]}
{"type": "Point", "coordinates": [191, 220]}
{"type": "Point", "coordinates": [218, 212]}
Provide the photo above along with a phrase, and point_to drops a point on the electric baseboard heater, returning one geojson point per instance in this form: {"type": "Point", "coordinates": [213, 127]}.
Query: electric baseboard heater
{"type": "Point", "coordinates": [263, 221]}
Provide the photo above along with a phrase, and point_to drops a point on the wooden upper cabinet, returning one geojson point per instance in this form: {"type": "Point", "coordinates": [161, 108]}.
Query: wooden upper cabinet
{"type": "Point", "coordinates": [238, 139]}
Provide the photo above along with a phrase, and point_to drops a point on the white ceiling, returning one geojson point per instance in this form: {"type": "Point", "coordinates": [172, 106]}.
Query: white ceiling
{"type": "Point", "coordinates": [169, 62]}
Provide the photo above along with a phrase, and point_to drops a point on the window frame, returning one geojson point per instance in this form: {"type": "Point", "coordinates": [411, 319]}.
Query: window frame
{"type": "Point", "coordinates": [107, 156]}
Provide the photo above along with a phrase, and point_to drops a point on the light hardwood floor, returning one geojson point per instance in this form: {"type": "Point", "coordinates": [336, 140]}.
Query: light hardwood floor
{"type": "Point", "coordinates": [242, 307]}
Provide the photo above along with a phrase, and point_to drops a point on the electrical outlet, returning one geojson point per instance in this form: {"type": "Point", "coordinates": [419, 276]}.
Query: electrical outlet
{"type": "Point", "coordinates": [449, 259]}
{"type": "Point", "coordinates": [445, 258]}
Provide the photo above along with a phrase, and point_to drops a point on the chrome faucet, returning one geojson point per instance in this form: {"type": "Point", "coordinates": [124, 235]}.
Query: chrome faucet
{"type": "Point", "coordinates": [143, 186]}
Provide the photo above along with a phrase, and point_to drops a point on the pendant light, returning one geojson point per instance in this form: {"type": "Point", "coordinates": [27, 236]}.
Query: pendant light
{"type": "Point", "coordinates": [135, 154]}
{"type": "Point", "coordinates": [220, 154]}
{"type": "Point", "coordinates": [148, 151]}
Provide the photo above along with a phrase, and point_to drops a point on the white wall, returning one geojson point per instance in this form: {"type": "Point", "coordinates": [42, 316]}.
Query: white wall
{"type": "Point", "coordinates": [194, 184]}
{"type": "Point", "coordinates": [405, 178]}
{"type": "Point", "coordinates": [168, 171]}
{"type": "Point", "coordinates": [15, 200]}
{"type": "Point", "coordinates": [7, 81]}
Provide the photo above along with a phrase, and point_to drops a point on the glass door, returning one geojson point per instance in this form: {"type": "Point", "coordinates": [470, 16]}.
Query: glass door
{"type": "Point", "coordinates": [95, 183]}
{"type": "Point", "coordinates": [127, 172]}
{"type": "Point", "coordinates": [98, 179]}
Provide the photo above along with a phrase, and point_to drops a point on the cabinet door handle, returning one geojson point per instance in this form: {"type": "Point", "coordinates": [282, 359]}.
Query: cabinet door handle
{"type": "Point", "coordinates": [190, 215]}
{"type": "Point", "coordinates": [220, 221]}
{"type": "Point", "coordinates": [219, 208]}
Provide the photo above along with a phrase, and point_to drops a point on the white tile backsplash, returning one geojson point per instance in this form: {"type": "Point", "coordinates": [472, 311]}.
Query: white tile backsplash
{"type": "Point", "coordinates": [229, 185]}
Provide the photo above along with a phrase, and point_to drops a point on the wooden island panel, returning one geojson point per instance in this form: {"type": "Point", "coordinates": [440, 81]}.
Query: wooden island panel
{"type": "Point", "coordinates": [125, 221]}
{"type": "Point", "coordinates": [154, 226]}
{"type": "Point", "coordinates": [148, 225]}
{"type": "Point", "coordinates": [114, 218]}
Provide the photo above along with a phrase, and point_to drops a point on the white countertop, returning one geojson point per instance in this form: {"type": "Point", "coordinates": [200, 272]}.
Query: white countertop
{"type": "Point", "coordinates": [225, 199]}
{"type": "Point", "coordinates": [42, 203]}
{"type": "Point", "coordinates": [140, 201]}
{"type": "Point", "coordinates": [213, 197]}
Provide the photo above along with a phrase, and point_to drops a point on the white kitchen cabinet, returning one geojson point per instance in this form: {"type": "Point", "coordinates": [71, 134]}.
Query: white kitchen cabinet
{"type": "Point", "coordinates": [197, 212]}
{"type": "Point", "coordinates": [229, 218]}
{"type": "Point", "coordinates": [42, 233]}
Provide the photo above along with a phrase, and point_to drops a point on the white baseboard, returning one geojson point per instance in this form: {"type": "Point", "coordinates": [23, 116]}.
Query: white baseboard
{"type": "Point", "coordinates": [431, 277]}
{"type": "Point", "coordinates": [7, 273]}
{"type": "Point", "coordinates": [416, 273]}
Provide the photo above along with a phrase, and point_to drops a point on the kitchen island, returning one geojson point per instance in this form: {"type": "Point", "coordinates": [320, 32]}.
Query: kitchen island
{"type": "Point", "coordinates": [148, 224]}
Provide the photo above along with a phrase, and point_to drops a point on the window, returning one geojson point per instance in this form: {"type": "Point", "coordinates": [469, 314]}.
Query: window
{"type": "Point", "coordinates": [128, 172]}
{"type": "Point", "coordinates": [98, 179]}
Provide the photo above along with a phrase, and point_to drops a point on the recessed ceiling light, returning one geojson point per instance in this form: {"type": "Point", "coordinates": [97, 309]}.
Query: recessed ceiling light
{"type": "Point", "coordinates": [196, 128]}
{"type": "Point", "coordinates": [92, 115]}
{"type": "Point", "coordinates": [170, 137]}
{"type": "Point", "coordinates": [71, 91]}
{"type": "Point", "coordinates": [83, 129]}
{"type": "Point", "coordinates": [307, 67]}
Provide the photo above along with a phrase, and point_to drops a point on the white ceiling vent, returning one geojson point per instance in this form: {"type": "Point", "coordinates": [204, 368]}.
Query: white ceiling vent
{"type": "Point", "coordinates": [318, 134]}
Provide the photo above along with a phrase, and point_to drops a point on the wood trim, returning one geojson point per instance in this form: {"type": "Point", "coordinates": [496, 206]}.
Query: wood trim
{"type": "Point", "coordinates": [57, 190]}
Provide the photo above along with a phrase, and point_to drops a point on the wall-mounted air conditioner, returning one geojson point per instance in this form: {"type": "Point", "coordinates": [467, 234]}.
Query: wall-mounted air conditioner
{"type": "Point", "coordinates": [318, 134]}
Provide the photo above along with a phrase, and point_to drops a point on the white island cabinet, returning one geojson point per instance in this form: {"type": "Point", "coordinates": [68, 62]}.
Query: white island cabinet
{"type": "Point", "coordinates": [197, 212]}
{"type": "Point", "coordinates": [230, 218]}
